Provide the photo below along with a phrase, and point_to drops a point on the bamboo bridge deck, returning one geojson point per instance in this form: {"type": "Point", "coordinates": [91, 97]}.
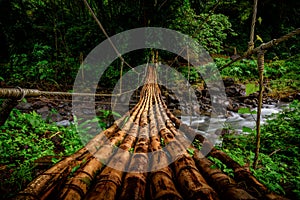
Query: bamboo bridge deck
{"type": "Point", "coordinates": [152, 132]}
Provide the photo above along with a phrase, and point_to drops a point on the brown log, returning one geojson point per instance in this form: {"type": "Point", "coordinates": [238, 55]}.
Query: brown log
{"type": "Point", "coordinates": [161, 179]}
{"type": "Point", "coordinates": [254, 187]}
{"type": "Point", "coordinates": [225, 186]}
{"type": "Point", "coordinates": [109, 181]}
{"type": "Point", "coordinates": [192, 184]}
{"type": "Point", "coordinates": [78, 186]}
{"type": "Point", "coordinates": [50, 182]}
{"type": "Point", "coordinates": [135, 181]}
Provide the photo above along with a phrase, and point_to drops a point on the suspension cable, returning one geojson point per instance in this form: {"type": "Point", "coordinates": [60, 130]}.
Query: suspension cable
{"type": "Point", "coordinates": [107, 36]}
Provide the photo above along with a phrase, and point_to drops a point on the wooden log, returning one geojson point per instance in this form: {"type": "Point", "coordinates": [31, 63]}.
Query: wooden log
{"type": "Point", "coordinates": [78, 186]}
{"type": "Point", "coordinates": [192, 184]}
{"type": "Point", "coordinates": [50, 182]}
{"type": "Point", "coordinates": [226, 187]}
{"type": "Point", "coordinates": [161, 179]}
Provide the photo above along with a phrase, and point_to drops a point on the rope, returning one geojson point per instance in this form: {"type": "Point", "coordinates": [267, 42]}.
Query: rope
{"type": "Point", "coordinates": [19, 93]}
{"type": "Point", "coordinates": [251, 43]}
{"type": "Point", "coordinates": [264, 46]}
{"type": "Point", "coordinates": [106, 35]}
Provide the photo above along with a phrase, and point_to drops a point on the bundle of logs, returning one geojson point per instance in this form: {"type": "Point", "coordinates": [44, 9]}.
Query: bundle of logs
{"type": "Point", "coordinates": [147, 129]}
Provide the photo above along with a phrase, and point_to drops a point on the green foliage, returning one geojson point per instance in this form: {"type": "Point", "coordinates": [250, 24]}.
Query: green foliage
{"type": "Point", "coordinates": [191, 74]}
{"type": "Point", "coordinates": [197, 144]}
{"type": "Point", "coordinates": [273, 21]}
{"type": "Point", "coordinates": [162, 142]}
{"type": "Point", "coordinates": [110, 76]}
{"type": "Point", "coordinates": [245, 69]}
{"type": "Point", "coordinates": [278, 160]}
{"type": "Point", "coordinates": [210, 34]}
{"type": "Point", "coordinates": [281, 76]}
{"type": "Point", "coordinates": [103, 118]}
{"type": "Point", "coordinates": [284, 74]}
{"type": "Point", "coordinates": [218, 164]}
{"type": "Point", "coordinates": [190, 151]}
{"type": "Point", "coordinates": [251, 88]}
{"type": "Point", "coordinates": [24, 138]}
{"type": "Point", "coordinates": [36, 67]}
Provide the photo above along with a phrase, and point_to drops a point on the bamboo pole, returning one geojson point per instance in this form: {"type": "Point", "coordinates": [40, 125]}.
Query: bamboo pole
{"type": "Point", "coordinates": [260, 65]}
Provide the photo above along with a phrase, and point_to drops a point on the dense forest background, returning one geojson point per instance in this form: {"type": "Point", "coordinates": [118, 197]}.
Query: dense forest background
{"type": "Point", "coordinates": [43, 42]}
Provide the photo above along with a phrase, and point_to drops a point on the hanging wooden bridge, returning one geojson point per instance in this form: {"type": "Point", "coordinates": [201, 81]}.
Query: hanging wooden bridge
{"type": "Point", "coordinates": [147, 129]}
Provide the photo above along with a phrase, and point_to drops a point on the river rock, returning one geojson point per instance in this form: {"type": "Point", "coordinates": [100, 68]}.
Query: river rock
{"type": "Point", "coordinates": [44, 109]}
{"type": "Point", "coordinates": [64, 123]}
{"type": "Point", "coordinates": [24, 106]}
{"type": "Point", "coordinates": [38, 104]}
{"type": "Point", "coordinates": [228, 82]}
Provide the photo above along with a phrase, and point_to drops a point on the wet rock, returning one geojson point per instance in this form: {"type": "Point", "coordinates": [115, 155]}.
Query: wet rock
{"type": "Point", "coordinates": [233, 106]}
{"type": "Point", "coordinates": [55, 117]}
{"type": "Point", "coordinates": [222, 132]}
{"type": "Point", "coordinates": [172, 98]}
{"type": "Point", "coordinates": [205, 100]}
{"type": "Point", "coordinates": [177, 112]}
{"type": "Point", "coordinates": [24, 106]}
{"type": "Point", "coordinates": [198, 93]}
{"type": "Point", "coordinates": [287, 99]}
{"type": "Point", "coordinates": [61, 105]}
{"type": "Point", "coordinates": [231, 91]}
{"type": "Point", "coordinates": [250, 102]}
{"type": "Point", "coordinates": [64, 123]}
{"type": "Point", "coordinates": [235, 90]}
{"type": "Point", "coordinates": [44, 109]}
{"type": "Point", "coordinates": [171, 105]}
{"type": "Point", "coordinates": [228, 82]}
{"type": "Point", "coordinates": [39, 104]}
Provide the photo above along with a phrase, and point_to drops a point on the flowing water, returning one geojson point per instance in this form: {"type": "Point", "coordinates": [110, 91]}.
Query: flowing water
{"type": "Point", "coordinates": [209, 126]}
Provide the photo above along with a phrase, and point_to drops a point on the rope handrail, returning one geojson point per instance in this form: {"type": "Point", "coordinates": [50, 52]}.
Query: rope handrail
{"type": "Point", "coordinates": [20, 93]}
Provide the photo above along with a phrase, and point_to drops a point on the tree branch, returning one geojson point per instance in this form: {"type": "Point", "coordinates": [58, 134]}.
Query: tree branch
{"type": "Point", "coordinates": [264, 46]}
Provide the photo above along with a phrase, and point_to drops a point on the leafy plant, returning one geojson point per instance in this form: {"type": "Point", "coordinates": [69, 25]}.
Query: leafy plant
{"type": "Point", "coordinates": [210, 31]}
{"type": "Point", "coordinates": [251, 88]}
{"type": "Point", "coordinates": [243, 70]}
{"type": "Point", "coordinates": [191, 74]}
{"type": "Point", "coordinates": [24, 138]}
{"type": "Point", "coordinates": [278, 164]}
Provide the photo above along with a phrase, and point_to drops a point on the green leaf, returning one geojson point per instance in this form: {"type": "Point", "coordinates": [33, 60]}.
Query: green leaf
{"type": "Point", "coordinates": [244, 111]}
{"type": "Point", "coordinates": [247, 129]}
{"type": "Point", "coordinates": [74, 169]}
{"type": "Point", "coordinates": [251, 88]}
{"type": "Point", "coordinates": [190, 151]}
{"type": "Point", "coordinates": [259, 38]}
